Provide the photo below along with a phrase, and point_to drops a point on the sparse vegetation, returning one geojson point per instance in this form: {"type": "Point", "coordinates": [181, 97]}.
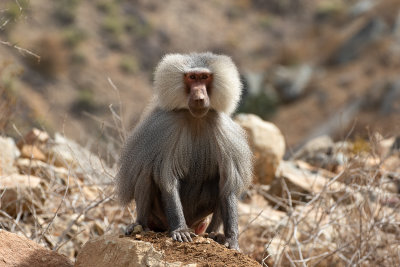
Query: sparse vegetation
{"type": "Point", "coordinates": [84, 102]}
{"type": "Point", "coordinates": [107, 7]}
{"type": "Point", "coordinates": [354, 225]}
{"type": "Point", "coordinates": [137, 27]}
{"type": "Point", "coordinates": [74, 36]}
{"type": "Point", "coordinates": [359, 228]}
{"type": "Point", "coordinates": [65, 11]}
{"type": "Point", "coordinates": [7, 105]}
{"type": "Point", "coordinates": [260, 104]}
{"type": "Point", "coordinates": [53, 56]}
{"type": "Point", "coordinates": [15, 9]}
{"type": "Point", "coordinates": [129, 65]}
{"type": "Point", "coordinates": [78, 58]}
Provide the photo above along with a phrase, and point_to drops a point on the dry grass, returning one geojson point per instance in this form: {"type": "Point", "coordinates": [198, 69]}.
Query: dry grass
{"type": "Point", "coordinates": [357, 225]}
{"type": "Point", "coordinates": [74, 200]}
{"type": "Point", "coordinates": [6, 109]}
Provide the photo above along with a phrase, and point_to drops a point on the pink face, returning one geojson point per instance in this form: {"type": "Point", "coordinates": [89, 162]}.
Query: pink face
{"type": "Point", "coordinates": [198, 89]}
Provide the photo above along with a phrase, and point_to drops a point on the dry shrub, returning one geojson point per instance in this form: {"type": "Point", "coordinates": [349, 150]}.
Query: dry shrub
{"type": "Point", "coordinates": [359, 226]}
{"type": "Point", "coordinates": [53, 56]}
{"type": "Point", "coordinates": [7, 104]}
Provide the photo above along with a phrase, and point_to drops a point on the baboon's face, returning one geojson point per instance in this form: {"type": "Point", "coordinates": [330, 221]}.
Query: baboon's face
{"type": "Point", "coordinates": [198, 90]}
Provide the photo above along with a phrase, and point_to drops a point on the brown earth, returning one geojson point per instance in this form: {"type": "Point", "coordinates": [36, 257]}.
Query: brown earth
{"type": "Point", "coordinates": [203, 251]}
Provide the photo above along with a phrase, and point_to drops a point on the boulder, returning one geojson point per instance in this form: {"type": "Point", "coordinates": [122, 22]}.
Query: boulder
{"type": "Point", "coordinates": [157, 249]}
{"type": "Point", "coordinates": [16, 250]}
{"type": "Point", "coordinates": [267, 144]}
{"type": "Point", "coordinates": [117, 251]}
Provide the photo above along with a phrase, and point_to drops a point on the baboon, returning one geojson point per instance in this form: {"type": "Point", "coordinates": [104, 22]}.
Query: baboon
{"type": "Point", "coordinates": [187, 158]}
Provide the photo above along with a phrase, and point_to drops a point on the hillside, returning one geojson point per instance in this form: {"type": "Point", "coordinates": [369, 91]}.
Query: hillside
{"type": "Point", "coordinates": [321, 67]}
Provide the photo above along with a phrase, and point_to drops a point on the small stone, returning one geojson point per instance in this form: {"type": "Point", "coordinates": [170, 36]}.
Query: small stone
{"type": "Point", "coordinates": [138, 236]}
{"type": "Point", "coordinates": [35, 136]}
{"type": "Point", "coordinates": [32, 152]}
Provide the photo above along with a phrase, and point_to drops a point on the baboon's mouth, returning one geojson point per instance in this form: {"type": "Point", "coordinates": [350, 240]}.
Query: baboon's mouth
{"type": "Point", "coordinates": [198, 112]}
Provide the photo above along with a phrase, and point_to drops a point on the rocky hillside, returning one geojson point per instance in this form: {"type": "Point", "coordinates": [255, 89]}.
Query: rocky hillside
{"type": "Point", "coordinates": [312, 67]}
{"type": "Point", "coordinates": [331, 203]}
{"type": "Point", "coordinates": [75, 76]}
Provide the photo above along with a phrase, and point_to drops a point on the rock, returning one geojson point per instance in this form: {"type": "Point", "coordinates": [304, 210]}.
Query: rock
{"type": "Point", "coordinates": [16, 250]}
{"type": "Point", "coordinates": [158, 249]}
{"type": "Point", "coordinates": [396, 145]}
{"type": "Point", "coordinates": [43, 170]}
{"type": "Point", "coordinates": [383, 145]}
{"type": "Point", "coordinates": [391, 99]}
{"type": "Point", "coordinates": [115, 251]}
{"type": "Point", "coordinates": [70, 155]}
{"type": "Point", "coordinates": [33, 144]}
{"type": "Point", "coordinates": [267, 144]}
{"type": "Point", "coordinates": [35, 136]}
{"type": "Point", "coordinates": [32, 152]}
{"type": "Point", "coordinates": [323, 144]}
{"type": "Point", "coordinates": [8, 153]}
{"type": "Point", "coordinates": [361, 7]}
{"type": "Point", "coordinates": [263, 215]}
{"type": "Point", "coordinates": [20, 193]}
{"type": "Point", "coordinates": [390, 169]}
{"type": "Point", "coordinates": [301, 184]}
{"type": "Point", "coordinates": [322, 152]}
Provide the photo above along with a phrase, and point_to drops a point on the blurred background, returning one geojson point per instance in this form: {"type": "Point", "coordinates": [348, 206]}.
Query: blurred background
{"type": "Point", "coordinates": [312, 67]}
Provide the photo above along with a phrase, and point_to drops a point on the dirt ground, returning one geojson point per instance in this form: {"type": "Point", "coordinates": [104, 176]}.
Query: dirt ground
{"type": "Point", "coordinates": [203, 251]}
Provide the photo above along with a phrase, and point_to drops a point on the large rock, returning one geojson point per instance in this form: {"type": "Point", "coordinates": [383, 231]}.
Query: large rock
{"type": "Point", "coordinates": [158, 249]}
{"type": "Point", "coordinates": [115, 251]}
{"type": "Point", "coordinates": [8, 153]}
{"type": "Point", "coordinates": [267, 144]}
{"type": "Point", "coordinates": [16, 250]}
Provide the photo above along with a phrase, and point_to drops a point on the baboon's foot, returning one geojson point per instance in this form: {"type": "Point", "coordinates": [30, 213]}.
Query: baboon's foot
{"type": "Point", "coordinates": [135, 228]}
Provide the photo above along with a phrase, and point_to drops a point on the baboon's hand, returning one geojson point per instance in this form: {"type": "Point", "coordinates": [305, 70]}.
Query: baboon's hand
{"type": "Point", "coordinates": [182, 235]}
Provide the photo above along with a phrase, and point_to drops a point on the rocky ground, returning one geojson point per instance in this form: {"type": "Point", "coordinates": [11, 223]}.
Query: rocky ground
{"type": "Point", "coordinates": [327, 172]}
{"type": "Point", "coordinates": [331, 203]}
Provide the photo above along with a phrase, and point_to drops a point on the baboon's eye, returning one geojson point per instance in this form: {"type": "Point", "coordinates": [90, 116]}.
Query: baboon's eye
{"type": "Point", "coordinates": [192, 77]}
{"type": "Point", "coordinates": [204, 76]}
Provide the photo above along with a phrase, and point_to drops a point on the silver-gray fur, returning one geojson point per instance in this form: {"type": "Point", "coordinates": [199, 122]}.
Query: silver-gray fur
{"type": "Point", "coordinates": [179, 169]}
{"type": "Point", "coordinates": [168, 84]}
